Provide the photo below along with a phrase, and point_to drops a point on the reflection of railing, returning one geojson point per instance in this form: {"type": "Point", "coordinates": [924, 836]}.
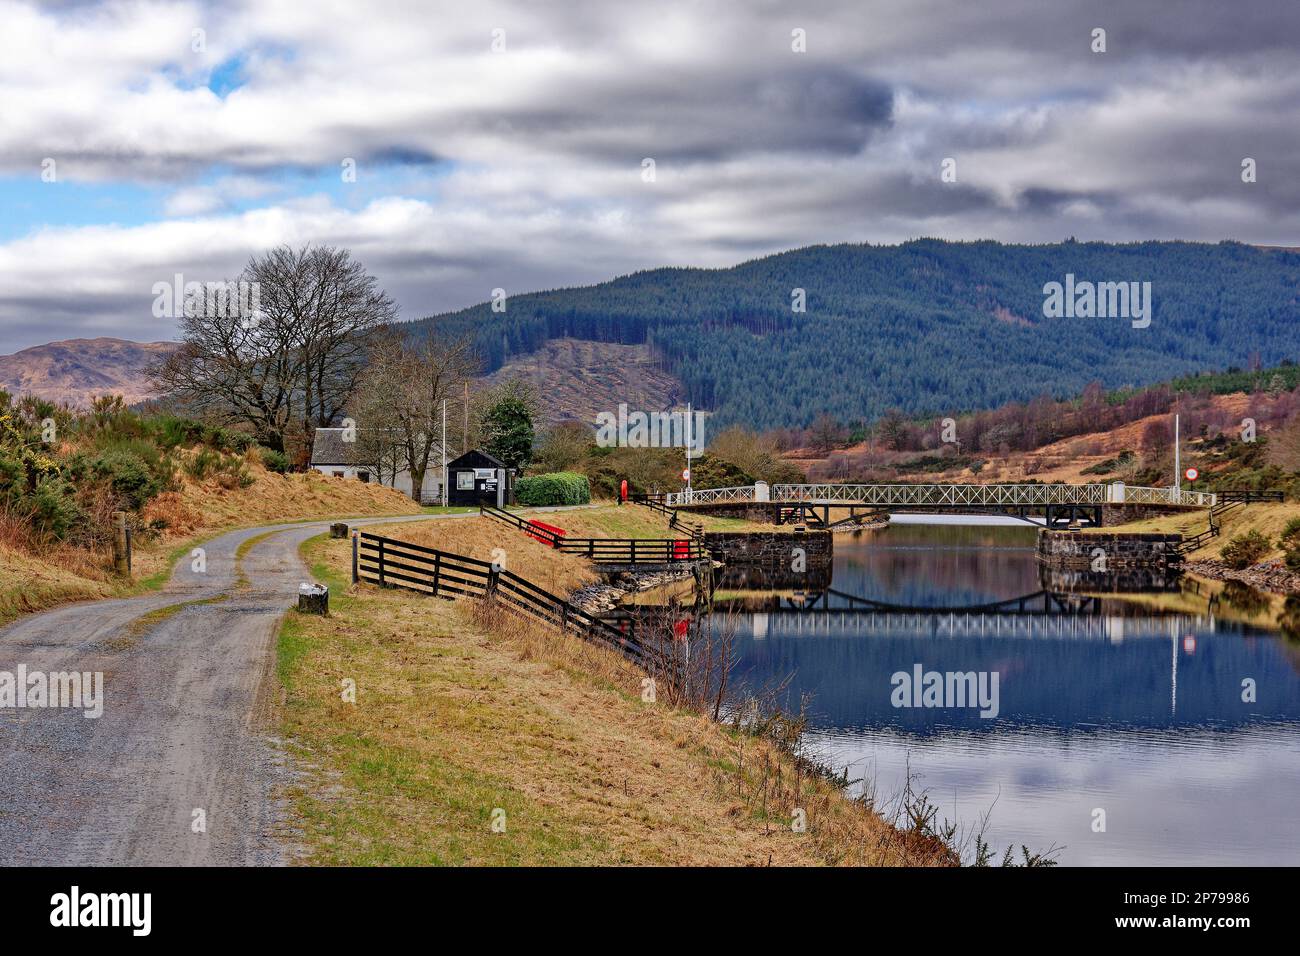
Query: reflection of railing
{"type": "Point", "coordinates": [955, 495]}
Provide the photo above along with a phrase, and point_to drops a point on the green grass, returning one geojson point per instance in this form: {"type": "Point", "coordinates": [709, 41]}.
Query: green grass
{"type": "Point", "coordinates": [384, 776]}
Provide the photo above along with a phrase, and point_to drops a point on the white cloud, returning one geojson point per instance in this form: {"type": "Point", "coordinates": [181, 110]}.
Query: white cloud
{"type": "Point", "coordinates": [527, 169]}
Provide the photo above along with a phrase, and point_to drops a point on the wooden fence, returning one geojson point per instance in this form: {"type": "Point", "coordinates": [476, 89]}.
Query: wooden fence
{"type": "Point", "coordinates": [390, 562]}
{"type": "Point", "coordinates": [605, 550]}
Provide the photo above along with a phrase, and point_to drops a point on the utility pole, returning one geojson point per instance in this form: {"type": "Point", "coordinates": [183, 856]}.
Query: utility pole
{"type": "Point", "coordinates": [444, 453]}
{"type": "Point", "coordinates": [464, 436]}
{"type": "Point", "coordinates": [690, 429]}
{"type": "Point", "coordinates": [1178, 465]}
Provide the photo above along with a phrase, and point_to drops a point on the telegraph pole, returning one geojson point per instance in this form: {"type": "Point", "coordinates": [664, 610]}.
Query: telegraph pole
{"type": "Point", "coordinates": [690, 428]}
{"type": "Point", "coordinates": [444, 453]}
{"type": "Point", "coordinates": [1178, 465]}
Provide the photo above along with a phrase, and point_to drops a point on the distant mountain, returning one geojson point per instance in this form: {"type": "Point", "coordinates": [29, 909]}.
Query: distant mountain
{"type": "Point", "coordinates": [577, 380]}
{"type": "Point", "coordinates": [929, 327]}
{"type": "Point", "coordinates": [76, 370]}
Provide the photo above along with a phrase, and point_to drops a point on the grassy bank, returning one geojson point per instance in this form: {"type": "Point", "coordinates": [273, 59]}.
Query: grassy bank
{"type": "Point", "coordinates": [1268, 519]}
{"type": "Point", "coordinates": [456, 717]}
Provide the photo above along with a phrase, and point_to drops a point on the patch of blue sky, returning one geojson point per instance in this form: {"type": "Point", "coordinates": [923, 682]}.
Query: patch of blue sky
{"type": "Point", "coordinates": [27, 204]}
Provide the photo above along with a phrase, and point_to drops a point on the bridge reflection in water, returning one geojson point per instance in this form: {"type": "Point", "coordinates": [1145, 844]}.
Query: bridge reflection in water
{"type": "Point", "coordinates": [1128, 701]}
{"type": "Point", "coordinates": [1083, 658]}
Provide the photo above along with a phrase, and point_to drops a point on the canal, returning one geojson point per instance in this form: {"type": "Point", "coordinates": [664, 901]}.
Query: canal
{"type": "Point", "coordinates": [1171, 719]}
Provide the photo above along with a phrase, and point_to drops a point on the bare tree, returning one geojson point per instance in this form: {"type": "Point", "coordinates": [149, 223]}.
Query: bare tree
{"type": "Point", "coordinates": [292, 358]}
{"type": "Point", "coordinates": [404, 389]}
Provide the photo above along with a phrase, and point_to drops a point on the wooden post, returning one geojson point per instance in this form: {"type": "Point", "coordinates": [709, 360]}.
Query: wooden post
{"type": "Point", "coordinates": [121, 561]}
{"type": "Point", "coordinates": [437, 572]}
{"type": "Point", "coordinates": [381, 563]}
{"type": "Point", "coordinates": [356, 566]}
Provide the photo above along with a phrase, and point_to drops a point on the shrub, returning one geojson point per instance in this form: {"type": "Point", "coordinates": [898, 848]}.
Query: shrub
{"type": "Point", "coordinates": [272, 460]}
{"type": "Point", "coordinates": [1244, 550]}
{"type": "Point", "coordinates": [1290, 543]}
{"type": "Point", "coordinates": [709, 471]}
{"type": "Point", "coordinates": [203, 464]}
{"type": "Point", "coordinates": [130, 476]}
{"type": "Point", "coordinates": [557, 488]}
{"type": "Point", "coordinates": [171, 431]}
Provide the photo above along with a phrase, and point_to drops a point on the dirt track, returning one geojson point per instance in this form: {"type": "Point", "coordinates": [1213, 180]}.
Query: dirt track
{"type": "Point", "coordinates": [183, 723]}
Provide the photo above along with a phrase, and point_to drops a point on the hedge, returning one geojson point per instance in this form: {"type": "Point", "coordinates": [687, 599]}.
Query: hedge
{"type": "Point", "coordinates": [557, 488]}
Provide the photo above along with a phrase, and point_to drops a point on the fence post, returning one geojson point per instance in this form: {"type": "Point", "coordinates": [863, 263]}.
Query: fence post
{"type": "Point", "coordinates": [634, 550]}
{"type": "Point", "coordinates": [356, 563]}
{"type": "Point", "coordinates": [382, 583]}
{"type": "Point", "coordinates": [437, 572]}
{"type": "Point", "coordinates": [494, 576]}
{"type": "Point", "coordinates": [121, 564]}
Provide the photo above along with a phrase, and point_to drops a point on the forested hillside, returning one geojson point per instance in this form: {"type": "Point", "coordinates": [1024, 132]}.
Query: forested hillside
{"type": "Point", "coordinates": [927, 327]}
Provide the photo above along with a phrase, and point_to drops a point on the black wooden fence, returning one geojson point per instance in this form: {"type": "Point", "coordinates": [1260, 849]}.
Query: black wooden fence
{"type": "Point", "coordinates": [1251, 497]}
{"type": "Point", "coordinates": [606, 550]}
{"type": "Point", "coordinates": [389, 562]}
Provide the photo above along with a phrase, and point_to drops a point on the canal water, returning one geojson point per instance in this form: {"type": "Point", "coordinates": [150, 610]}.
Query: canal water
{"type": "Point", "coordinates": [1127, 705]}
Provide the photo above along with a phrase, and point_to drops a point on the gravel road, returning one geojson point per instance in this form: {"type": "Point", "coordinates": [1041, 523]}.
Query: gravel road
{"type": "Point", "coordinates": [184, 724]}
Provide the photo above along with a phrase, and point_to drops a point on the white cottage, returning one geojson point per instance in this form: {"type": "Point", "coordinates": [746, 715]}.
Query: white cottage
{"type": "Point", "coordinates": [331, 455]}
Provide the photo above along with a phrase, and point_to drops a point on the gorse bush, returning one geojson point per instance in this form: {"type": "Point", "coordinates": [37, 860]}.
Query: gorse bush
{"type": "Point", "coordinates": [558, 488]}
{"type": "Point", "coordinates": [272, 460]}
{"type": "Point", "coordinates": [133, 479]}
{"type": "Point", "coordinates": [229, 471]}
{"type": "Point", "coordinates": [1244, 550]}
{"type": "Point", "coordinates": [1290, 543]}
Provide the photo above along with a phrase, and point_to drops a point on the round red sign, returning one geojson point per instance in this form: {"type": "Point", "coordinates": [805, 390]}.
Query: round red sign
{"type": "Point", "coordinates": [1192, 474]}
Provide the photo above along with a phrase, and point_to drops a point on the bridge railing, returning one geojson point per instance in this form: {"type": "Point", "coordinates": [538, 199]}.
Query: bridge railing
{"type": "Point", "coordinates": [953, 495]}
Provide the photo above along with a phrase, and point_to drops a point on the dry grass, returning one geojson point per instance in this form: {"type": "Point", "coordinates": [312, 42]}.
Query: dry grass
{"type": "Point", "coordinates": [33, 583]}
{"type": "Point", "coordinates": [36, 576]}
{"type": "Point", "coordinates": [490, 540]}
{"type": "Point", "coordinates": [637, 521]}
{"type": "Point", "coordinates": [207, 505]}
{"type": "Point", "coordinates": [458, 714]}
{"type": "Point", "coordinates": [1268, 519]}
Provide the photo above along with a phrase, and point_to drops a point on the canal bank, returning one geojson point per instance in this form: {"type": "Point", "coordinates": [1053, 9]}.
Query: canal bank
{"type": "Point", "coordinates": [1131, 703]}
{"type": "Point", "coordinates": [477, 738]}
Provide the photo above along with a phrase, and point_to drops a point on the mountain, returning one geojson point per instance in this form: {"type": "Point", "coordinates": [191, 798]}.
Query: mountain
{"type": "Point", "coordinates": [928, 327]}
{"type": "Point", "coordinates": [76, 370]}
{"type": "Point", "coordinates": [580, 379]}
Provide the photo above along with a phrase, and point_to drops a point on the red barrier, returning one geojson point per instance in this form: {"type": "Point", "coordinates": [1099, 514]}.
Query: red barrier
{"type": "Point", "coordinates": [546, 538]}
{"type": "Point", "coordinates": [681, 550]}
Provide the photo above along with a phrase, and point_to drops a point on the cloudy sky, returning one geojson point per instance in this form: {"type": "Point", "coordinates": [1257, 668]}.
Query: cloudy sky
{"type": "Point", "coordinates": [503, 144]}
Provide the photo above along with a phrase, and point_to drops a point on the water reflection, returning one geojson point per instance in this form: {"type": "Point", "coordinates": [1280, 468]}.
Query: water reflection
{"type": "Point", "coordinates": [1177, 710]}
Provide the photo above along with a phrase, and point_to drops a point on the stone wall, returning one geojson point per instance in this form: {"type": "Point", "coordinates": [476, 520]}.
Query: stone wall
{"type": "Point", "coordinates": [772, 559]}
{"type": "Point", "coordinates": [1109, 552]}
